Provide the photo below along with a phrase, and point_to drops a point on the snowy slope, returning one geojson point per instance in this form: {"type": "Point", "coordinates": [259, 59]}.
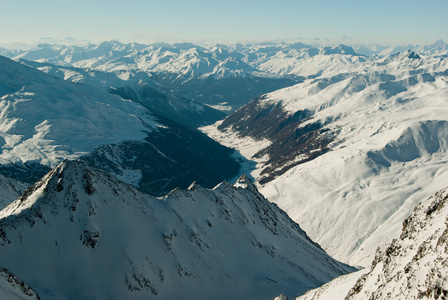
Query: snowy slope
{"type": "Point", "coordinates": [37, 112]}
{"type": "Point", "coordinates": [411, 267]}
{"type": "Point", "coordinates": [45, 120]}
{"type": "Point", "coordinates": [336, 289]}
{"type": "Point", "coordinates": [79, 233]}
{"type": "Point", "coordinates": [137, 85]}
{"type": "Point", "coordinates": [354, 150]}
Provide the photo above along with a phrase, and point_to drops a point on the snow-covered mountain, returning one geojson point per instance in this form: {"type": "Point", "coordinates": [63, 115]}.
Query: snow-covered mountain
{"type": "Point", "coordinates": [45, 119]}
{"type": "Point", "coordinates": [137, 86]}
{"type": "Point", "coordinates": [168, 105]}
{"type": "Point", "coordinates": [354, 150]}
{"type": "Point", "coordinates": [79, 233]}
{"type": "Point", "coordinates": [37, 112]}
{"type": "Point", "coordinates": [223, 76]}
{"type": "Point", "coordinates": [438, 48]}
{"type": "Point", "coordinates": [212, 75]}
{"type": "Point", "coordinates": [410, 267]}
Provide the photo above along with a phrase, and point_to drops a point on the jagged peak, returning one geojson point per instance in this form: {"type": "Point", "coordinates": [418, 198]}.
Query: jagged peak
{"type": "Point", "coordinates": [68, 177]}
{"type": "Point", "coordinates": [413, 55]}
{"type": "Point", "coordinates": [339, 49]}
{"type": "Point", "coordinates": [194, 186]}
{"type": "Point", "coordinates": [245, 183]}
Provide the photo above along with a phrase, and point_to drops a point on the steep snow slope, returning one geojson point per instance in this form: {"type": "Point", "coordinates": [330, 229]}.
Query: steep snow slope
{"type": "Point", "coordinates": [79, 233]}
{"type": "Point", "coordinates": [411, 267]}
{"type": "Point", "coordinates": [355, 151]}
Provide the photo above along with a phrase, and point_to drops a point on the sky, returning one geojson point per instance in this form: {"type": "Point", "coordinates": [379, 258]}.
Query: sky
{"type": "Point", "coordinates": [385, 22]}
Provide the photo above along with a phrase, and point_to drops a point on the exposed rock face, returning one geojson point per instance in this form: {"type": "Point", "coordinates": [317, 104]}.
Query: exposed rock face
{"type": "Point", "coordinates": [415, 266]}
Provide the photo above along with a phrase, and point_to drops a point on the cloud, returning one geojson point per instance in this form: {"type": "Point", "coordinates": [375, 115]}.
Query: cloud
{"type": "Point", "coordinates": [346, 37]}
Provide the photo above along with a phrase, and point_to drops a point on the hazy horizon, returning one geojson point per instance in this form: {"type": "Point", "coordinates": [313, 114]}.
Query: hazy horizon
{"type": "Point", "coordinates": [29, 22]}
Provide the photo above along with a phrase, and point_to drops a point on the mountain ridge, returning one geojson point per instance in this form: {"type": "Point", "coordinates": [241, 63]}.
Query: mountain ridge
{"type": "Point", "coordinates": [187, 241]}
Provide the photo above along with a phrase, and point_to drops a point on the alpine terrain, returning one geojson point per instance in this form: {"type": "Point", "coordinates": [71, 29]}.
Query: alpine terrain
{"type": "Point", "coordinates": [413, 266]}
{"type": "Point", "coordinates": [166, 171]}
{"type": "Point", "coordinates": [45, 119]}
{"type": "Point", "coordinates": [356, 147]}
{"type": "Point", "coordinates": [79, 233]}
{"type": "Point", "coordinates": [215, 75]}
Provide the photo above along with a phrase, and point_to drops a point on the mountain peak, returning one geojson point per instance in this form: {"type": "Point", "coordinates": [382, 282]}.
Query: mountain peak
{"type": "Point", "coordinates": [244, 182]}
{"type": "Point", "coordinates": [440, 42]}
{"type": "Point", "coordinates": [413, 55]}
{"type": "Point", "coordinates": [339, 49]}
{"type": "Point", "coordinates": [172, 246]}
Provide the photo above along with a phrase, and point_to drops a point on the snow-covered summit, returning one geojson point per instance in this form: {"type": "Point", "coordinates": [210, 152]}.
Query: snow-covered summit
{"type": "Point", "coordinates": [62, 234]}
{"type": "Point", "coordinates": [339, 49]}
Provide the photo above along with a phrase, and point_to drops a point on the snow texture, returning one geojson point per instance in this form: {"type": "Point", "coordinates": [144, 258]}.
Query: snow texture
{"type": "Point", "coordinates": [415, 266]}
{"type": "Point", "coordinates": [45, 119]}
{"type": "Point", "coordinates": [81, 234]}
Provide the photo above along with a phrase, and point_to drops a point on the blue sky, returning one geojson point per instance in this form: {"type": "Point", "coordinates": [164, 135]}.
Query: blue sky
{"type": "Point", "coordinates": [145, 21]}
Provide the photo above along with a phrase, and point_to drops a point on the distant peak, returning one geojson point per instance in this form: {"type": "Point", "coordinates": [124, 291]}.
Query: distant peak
{"type": "Point", "coordinates": [413, 55]}
{"type": "Point", "coordinates": [339, 49]}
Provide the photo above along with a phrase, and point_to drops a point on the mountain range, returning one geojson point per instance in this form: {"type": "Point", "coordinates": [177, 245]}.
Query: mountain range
{"type": "Point", "coordinates": [346, 140]}
{"type": "Point", "coordinates": [45, 119]}
{"type": "Point", "coordinates": [356, 149]}
{"type": "Point", "coordinates": [222, 76]}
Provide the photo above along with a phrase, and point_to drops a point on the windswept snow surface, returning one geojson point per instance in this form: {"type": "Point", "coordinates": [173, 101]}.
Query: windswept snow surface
{"type": "Point", "coordinates": [81, 234]}
{"type": "Point", "coordinates": [45, 119]}
{"type": "Point", "coordinates": [387, 133]}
